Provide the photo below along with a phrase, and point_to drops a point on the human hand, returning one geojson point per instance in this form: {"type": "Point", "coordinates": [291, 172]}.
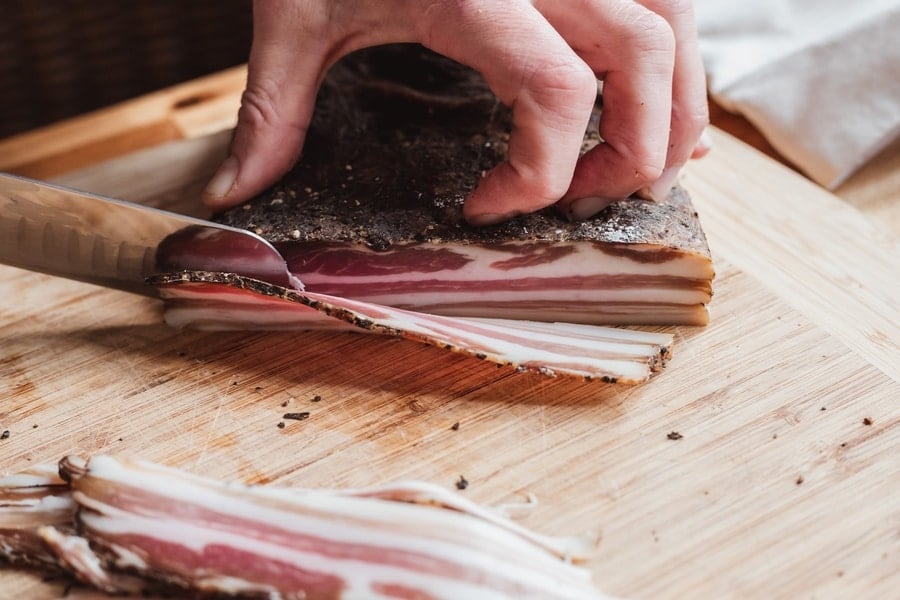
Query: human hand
{"type": "Point", "coordinates": [542, 58]}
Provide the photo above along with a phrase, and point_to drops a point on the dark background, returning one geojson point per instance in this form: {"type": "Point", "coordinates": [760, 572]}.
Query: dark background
{"type": "Point", "coordinates": [61, 58]}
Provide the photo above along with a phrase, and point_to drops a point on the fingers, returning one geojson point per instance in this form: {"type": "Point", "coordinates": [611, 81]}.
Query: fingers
{"type": "Point", "coordinates": [286, 64]}
{"type": "Point", "coordinates": [634, 50]}
{"type": "Point", "coordinates": [690, 112]}
{"type": "Point", "coordinates": [533, 70]}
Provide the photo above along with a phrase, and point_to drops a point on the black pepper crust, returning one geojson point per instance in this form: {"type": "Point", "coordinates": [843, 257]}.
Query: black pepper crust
{"type": "Point", "coordinates": [400, 136]}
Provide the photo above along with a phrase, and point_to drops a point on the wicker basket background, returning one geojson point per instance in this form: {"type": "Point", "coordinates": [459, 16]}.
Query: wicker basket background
{"type": "Point", "coordinates": [60, 58]}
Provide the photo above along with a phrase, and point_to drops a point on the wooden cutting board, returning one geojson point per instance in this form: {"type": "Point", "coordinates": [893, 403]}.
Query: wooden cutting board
{"type": "Point", "coordinates": [777, 488]}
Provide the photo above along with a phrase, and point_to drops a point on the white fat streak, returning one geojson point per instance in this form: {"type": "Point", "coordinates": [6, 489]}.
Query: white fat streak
{"type": "Point", "coordinates": [55, 503]}
{"type": "Point", "coordinates": [587, 341]}
{"type": "Point", "coordinates": [244, 318]}
{"type": "Point", "coordinates": [585, 261]}
{"type": "Point", "coordinates": [618, 334]}
{"type": "Point", "coordinates": [423, 300]}
{"type": "Point", "coordinates": [421, 492]}
{"type": "Point", "coordinates": [36, 476]}
{"type": "Point", "coordinates": [358, 574]}
{"type": "Point", "coordinates": [391, 525]}
{"type": "Point", "coordinates": [234, 586]}
{"type": "Point", "coordinates": [30, 512]}
{"type": "Point", "coordinates": [474, 296]}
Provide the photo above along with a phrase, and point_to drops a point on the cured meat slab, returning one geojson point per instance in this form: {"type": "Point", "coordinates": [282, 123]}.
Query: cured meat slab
{"type": "Point", "coordinates": [373, 211]}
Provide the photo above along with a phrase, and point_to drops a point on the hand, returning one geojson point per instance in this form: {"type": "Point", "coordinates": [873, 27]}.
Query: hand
{"type": "Point", "coordinates": [542, 58]}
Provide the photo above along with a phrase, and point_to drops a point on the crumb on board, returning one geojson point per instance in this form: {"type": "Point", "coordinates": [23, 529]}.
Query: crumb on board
{"type": "Point", "coordinates": [462, 483]}
{"type": "Point", "coordinates": [867, 421]}
{"type": "Point", "coordinates": [317, 398]}
{"type": "Point", "coordinates": [455, 426]}
{"type": "Point", "coordinates": [280, 425]}
{"type": "Point", "coordinates": [296, 416]}
{"type": "Point", "coordinates": [799, 479]}
{"type": "Point", "coordinates": [5, 434]}
{"type": "Point", "coordinates": [674, 435]}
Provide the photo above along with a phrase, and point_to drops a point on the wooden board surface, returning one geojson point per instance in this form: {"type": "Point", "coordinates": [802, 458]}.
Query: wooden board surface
{"type": "Point", "coordinates": [777, 488]}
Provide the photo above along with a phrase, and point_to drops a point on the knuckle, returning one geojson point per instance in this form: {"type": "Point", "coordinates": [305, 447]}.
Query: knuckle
{"type": "Point", "coordinates": [258, 107]}
{"type": "Point", "coordinates": [261, 110]}
{"type": "Point", "coordinates": [567, 86]}
{"type": "Point", "coordinates": [647, 31]}
{"type": "Point", "coordinates": [543, 186]}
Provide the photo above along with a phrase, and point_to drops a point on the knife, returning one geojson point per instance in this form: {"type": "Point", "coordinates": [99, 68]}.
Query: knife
{"type": "Point", "coordinates": [60, 231]}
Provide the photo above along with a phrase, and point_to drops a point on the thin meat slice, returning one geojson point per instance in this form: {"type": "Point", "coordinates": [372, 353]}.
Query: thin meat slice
{"type": "Point", "coordinates": [133, 527]}
{"type": "Point", "coordinates": [225, 301]}
{"type": "Point", "coordinates": [373, 211]}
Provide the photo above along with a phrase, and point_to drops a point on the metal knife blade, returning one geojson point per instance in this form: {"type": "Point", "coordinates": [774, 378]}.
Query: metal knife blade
{"type": "Point", "coordinates": [118, 244]}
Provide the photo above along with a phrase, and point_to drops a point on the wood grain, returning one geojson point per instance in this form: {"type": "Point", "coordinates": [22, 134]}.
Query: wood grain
{"type": "Point", "coordinates": [802, 347]}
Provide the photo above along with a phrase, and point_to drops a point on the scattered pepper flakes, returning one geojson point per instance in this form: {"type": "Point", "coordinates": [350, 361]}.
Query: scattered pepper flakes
{"type": "Point", "coordinates": [867, 421]}
{"type": "Point", "coordinates": [455, 426]}
{"type": "Point", "coordinates": [280, 425]}
{"type": "Point", "coordinates": [296, 416]}
{"type": "Point", "coordinates": [799, 479]}
{"type": "Point", "coordinates": [674, 435]}
{"type": "Point", "coordinates": [462, 483]}
{"type": "Point", "coordinates": [5, 434]}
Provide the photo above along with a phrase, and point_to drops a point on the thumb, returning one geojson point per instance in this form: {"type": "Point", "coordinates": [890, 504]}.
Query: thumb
{"type": "Point", "coordinates": [286, 65]}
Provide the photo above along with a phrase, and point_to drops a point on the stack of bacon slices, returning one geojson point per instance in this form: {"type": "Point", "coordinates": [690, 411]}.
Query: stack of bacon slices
{"type": "Point", "coordinates": [129, 527]}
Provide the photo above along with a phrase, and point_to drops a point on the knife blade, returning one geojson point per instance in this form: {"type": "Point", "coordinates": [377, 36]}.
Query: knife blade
{"type": "Point", "coordinates": [118, 244]}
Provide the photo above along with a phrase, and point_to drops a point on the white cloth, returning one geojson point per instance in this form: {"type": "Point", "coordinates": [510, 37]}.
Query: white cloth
{"type": "Point", "coordinates": [819, 78]}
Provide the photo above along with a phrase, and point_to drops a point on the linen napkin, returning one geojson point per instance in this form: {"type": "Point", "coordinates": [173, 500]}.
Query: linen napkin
{"type": "Point", "coordinates": [819, 78]}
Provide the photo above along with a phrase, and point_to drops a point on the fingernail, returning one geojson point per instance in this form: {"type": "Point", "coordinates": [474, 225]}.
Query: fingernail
{"type": "Point", "coordinates": [659, 189]}
{"type": "Point", "coordinates": [222, 182]}
{"type": "Point", "coordinates": [704, 145]}
{"type": "Point", "coordinates": [705, 140]}
{"type": "Point", "coordinates": [584, 208]}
